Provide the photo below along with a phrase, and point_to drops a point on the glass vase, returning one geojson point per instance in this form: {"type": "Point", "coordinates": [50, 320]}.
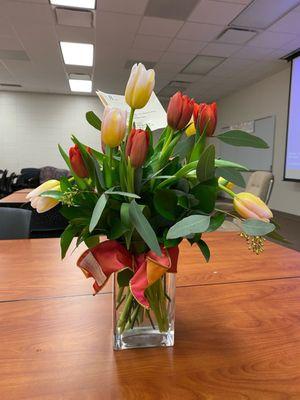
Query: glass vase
{"type": "Point", "coordinates": [136, 327]}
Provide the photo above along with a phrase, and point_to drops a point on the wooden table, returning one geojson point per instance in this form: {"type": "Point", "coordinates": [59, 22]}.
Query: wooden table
{"type": "Point", "coordinates": [237, 328]}
{"type": "Point", "coordinates": [18, 197]}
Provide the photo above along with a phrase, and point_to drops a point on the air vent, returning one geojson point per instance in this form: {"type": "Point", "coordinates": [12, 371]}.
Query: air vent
{"type": "Point", "coordinates": [77, 75]}
{"type": "Point", "coordinates": [10, 85]}
{"type": "Point", "coordinates": [19, 55]}
{"type": "Point", "coordinates": [130, 63]}
{"type": "Point", "coordinates": [236, 35]}
{"type": "Point", "coordinates": [83, 19]}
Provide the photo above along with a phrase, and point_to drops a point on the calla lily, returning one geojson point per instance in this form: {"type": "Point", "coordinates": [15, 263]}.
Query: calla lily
{"type": "Point", "coordinates": [139, 86]}
{"type": "Point", "coordinates": [43, 204]}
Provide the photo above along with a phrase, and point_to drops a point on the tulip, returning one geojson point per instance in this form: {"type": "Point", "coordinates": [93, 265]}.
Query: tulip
{"type": "Point", "coordinates": [139, 86]}
{"type": "Point", "coordinates": [226, 183]}
{"type": "Point", "coordinates": [191, 129]}
{"type": "Point", "coordinates": [77, 162]}
{"type": "Point", "coordinates": [250, 206]}
{"type": "Point", "coordinates": [137, 147]}
{"type": "Point", "coordinates": [205, 117]}
{"type": "Point", "coordinates": [113, 126]}
{"type": "Point", "coordinates": [180, 110]}
{"type": "Point", "coordinates": [43, 204]}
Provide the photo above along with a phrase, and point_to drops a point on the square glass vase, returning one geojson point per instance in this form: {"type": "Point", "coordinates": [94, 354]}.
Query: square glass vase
{"type": "Point", "coordinates": [137, 327]}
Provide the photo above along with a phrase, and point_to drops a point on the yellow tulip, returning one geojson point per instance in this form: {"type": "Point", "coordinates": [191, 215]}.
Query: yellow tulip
{"type": "Point", "coordinates": [43, 204]}
{"type": "Point", "coordinates": [113, 126]}
{"type": "Point", "coordinates": [139, 86]}
{"type": "Point", "coordinates": [250, 206]}
{"type": "Point", "coordinates": [191, 130]}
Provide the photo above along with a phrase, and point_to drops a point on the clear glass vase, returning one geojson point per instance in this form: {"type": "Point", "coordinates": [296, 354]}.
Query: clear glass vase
{"type": "Point", "coordinates": [136, 327]}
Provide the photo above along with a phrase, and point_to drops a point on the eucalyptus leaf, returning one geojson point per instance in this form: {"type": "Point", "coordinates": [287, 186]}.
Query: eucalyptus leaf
{"type": "Point", "coordinates": [229, 164]}
{"type": "Point", "coordinates": [204, 249]}
{"type": "Point", "coordinates": [206, 165]}
{"type": "Point", "coordinates": [93, 120]}
{"type": "Point", "coordinates": [243, 139]}
{"type": "Point", "coordinates": [189, 225]}
{"type": "Point", "coordinates": [165, 203]}
{"type": "Point", "coordinates": [99, 207]}
{"type": "Point", "coordinates": [143, 227]}
{"type": "Point", "coordinates": [66, 239]}
{"type": "Point", "coordinates": [216, 221]}
{"type": "Point", "coordinates": [256, 227]}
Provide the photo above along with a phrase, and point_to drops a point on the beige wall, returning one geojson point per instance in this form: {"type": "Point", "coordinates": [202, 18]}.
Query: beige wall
{"type": "Point", "coordinates": [267, 97]}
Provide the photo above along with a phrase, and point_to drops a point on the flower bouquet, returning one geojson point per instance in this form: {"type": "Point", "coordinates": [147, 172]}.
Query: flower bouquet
{"type": "Point", "coordinates": [142, 195]}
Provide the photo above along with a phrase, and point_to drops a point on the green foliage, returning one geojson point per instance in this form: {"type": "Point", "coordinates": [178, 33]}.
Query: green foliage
{"type": "Point", "coordinates": [255, 227]}
{"type": "Point", "coordinates": [189, 225]}
{"type": "Point", "coordinates": [206, 165]}
{"type": "Point", "coordinates": [165, 202]}
{"type": "Point", "coordinates": [244, 139]}
{"type": "Point", "coordinates": [204, 249]}
{"type": "Point", "coordinates": [216, 221]}
{"type": "Point", "coordinates": [124, 277]}
{"type": "Point", "coordinates": [98, 210]}
{"type": "Point", "coordinates": [66, 239]}
{"type": "Point", "coordinates": [93, 120]}
{"type": "Point", "coordinates": [206, 194]}
{"type": "Point", "coordinates": [231, 175]}
{"type": "Point", "coordinates": [53, 194]}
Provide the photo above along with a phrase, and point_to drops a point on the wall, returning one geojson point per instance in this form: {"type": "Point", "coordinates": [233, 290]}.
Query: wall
{"type": "Point", "coordinates": [267, 97]}
{"type": "Point", "coordinates": [32, 124]}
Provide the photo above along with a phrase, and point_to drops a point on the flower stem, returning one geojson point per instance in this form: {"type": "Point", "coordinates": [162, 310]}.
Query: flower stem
{"type": "Point", "coordinates": [130, 122]}
{"type": "Point", "coordinates": [230, 192]}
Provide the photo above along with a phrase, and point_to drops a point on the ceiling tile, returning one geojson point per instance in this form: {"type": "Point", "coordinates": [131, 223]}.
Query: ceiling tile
{"type": "Point", "coordinates": [5, 76]}
{"type": "Point", "coordinates": [187, 77]}
{"type": "Point", "coordinates": [252, 53]}
{"type": "Point", "coordinates": [289, 24]}
{"type": "Point", "coordinates": [163, 68]}
{"type": "Point", "coordinates": [74, 17]}
{"type": "Point", "coordinates": [215, 12]}
{"type": "Point", "coordinates": [220, 49]}
{"type": "Point", "coordinates": [186, 46]}
{"type": "Point", "coordinates": [245, 2]}
{"type": "Point", "coordinates": [30, 12]}
{"type": "Point", "coordinates": [297, 9]}
{"type": "Point", "coordinates": [273, 40]}
{"type": "Point", "coordinates": [116, 24]}
{"type": "Point", "coordinates": [230, 67]}
{"type": "Point", "coordinates": [176, 58]}
{"type": "Point", "coordinates": [10, 43]}
{"type": "Point", "coordinates": [5, 27]}
{"type": "Point", "coordinates": [236, 36]}
{"type": "Point", "coordinates": [151, 42]}
{"type": "Point", "coordinates": [124, 6]}
{"type": "Point", "coordinates": [144, 54]}
{"type": "Point", "coordinates": [291, 46]}
{"type": "Point", "coordinates": [75, 34]}
{"type": "Point", "coordinates": [174, 9]}
{"type": "Point", "coordinates": [160, 26]}
{"type": "Point", "coordinates": [202, 32]}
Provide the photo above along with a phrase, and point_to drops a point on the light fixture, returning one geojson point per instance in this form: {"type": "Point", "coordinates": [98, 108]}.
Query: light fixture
{"type": "Point", "coordinates": [80, 85]}
{"type": "Point", "coordinates": [86, 4]}
{"type": "Point", "coordinates": [77, 53]}
{"type": "Point", "coordinates": [260, 14]}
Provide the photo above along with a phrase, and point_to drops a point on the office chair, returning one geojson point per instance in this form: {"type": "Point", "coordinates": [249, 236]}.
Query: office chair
{"type": "Point", "coordinates": [14, 223]}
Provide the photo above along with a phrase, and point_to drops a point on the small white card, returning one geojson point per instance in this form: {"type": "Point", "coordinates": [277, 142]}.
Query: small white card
{"type": "Point", "coordinates": [153, 114]}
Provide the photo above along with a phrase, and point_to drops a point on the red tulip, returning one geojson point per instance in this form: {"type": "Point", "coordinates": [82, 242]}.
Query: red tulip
{"type": "Point", "coordinates": [137, 147]}
{"type": "Point", "coordinates": [180, 110]}
{"type": "Point", "coordinates": [205, 117]}
{"type": "Point", "coordinates": [77, 162]}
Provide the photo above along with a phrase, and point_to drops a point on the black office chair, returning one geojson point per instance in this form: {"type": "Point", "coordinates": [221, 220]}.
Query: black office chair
{"type": "Point", "coordinates": [14, 223]}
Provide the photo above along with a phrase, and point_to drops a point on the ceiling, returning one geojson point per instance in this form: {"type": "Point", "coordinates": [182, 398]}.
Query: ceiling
{"type": "Point", "coordinates": [168, 34]}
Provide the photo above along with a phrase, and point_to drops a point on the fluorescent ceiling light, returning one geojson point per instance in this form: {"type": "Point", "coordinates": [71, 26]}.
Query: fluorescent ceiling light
{"type": "Point", "coordinates": [87, 4]}
{"type": "Point", "coordinates": [261, 14]}
{"type": "Point", "coordinates": [80, 85]}
{"type": "Point", "coordinates": [77, 53]}
{"type": "Point", "coordinates": [201, 65]}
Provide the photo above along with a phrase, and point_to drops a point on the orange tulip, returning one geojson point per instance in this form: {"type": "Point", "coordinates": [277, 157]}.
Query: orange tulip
{"type": "Point", "coordinates": [180, 110]}
{"type": "Point", "coordinates": [137, 147]}
{"type": "Point", "coordinates": [205, 117]}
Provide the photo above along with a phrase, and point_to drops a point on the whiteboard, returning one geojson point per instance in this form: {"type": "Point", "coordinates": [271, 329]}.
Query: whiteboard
{"type": "Point", "coordinates": [254, 159]}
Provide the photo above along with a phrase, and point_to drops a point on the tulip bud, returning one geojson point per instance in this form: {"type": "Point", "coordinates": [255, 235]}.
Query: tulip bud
{"type": "Point", "coordinates": [43, 204]}
{"type": "Point", "coordinates": [205, 117]}
{"type": "Point", "coordinates": [191, 129]}
{"type": "Point", "coordinates": [137, 147]}
{"type": "Point", "coordinates": [180, 110]}
{"type": "Point", "coordinates": [226, 183]}
{"type": "Point", "coordinates": [77, 162]}
{"type": "Point", "coordinates": [139, 86]}
{"type": "Point", "coordinates": [113, 126]}
{"type": "Point", "coordinates": [250, 206]}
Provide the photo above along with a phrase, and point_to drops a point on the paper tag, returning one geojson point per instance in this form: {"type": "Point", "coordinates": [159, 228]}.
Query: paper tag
{"type": "Point", "coordinates": [153, 114]}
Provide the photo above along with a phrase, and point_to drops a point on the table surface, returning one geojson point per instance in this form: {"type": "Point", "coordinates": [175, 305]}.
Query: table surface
{"type": "Point", "coordinates": [237, 328]}
{"type": "Point", "coordinates": [16, 197]}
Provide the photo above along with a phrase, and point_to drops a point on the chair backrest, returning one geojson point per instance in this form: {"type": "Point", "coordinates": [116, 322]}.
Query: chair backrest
{"type": "Point", "coordinates": [260, 184]}
{"type": "Point", "coordinates": [48, 172]}
{"type": "Point", "coordinates": [14, 223]}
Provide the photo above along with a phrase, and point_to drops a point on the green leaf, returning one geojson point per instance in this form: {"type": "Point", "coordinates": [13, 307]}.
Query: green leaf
{"type": "Point", "coordinates": [188, 226]}
{"type": "Point", "coordinates": [66, 239]}
{"type": "Point", "coordinates": [91, 241]}
{"type": "Point", "coordinates": [126, 194]}
{"type": "Point", "coordinates": [206, 194]}
{"type": "Point", "coordinates": [231, 175]}
{"type": "Point", "coordinates": [244, 139]}
{"type": "Point", "coordinates": [124, 276]}
{"type": "Point", "coordinates": [65, 184]}
{"type": "Point", "coordinates": [229, 164]}
{"type": "Point", "coordinates": [143, 227]}
{"type": "Point", "coordinates": [206, 164]}
{"type": "Point", "coordinates": [53, 194]}
{"type": "Point", "coordinates": [93, 120]}
{"type": "Point", "coordinates": [216, 221]}
{"type": "Point", "coordinates": [256, 227]}
{"type": "Point", "coordinates": [99, 207]}
{"type": "Point", "coordinates": [165, 203]}
{"type": "Point", "coordinates": [184, 147]}
{"type": "Point", "coordinates": [204, 249]}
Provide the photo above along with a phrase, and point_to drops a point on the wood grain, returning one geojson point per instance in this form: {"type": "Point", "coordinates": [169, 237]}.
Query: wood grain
{"type": "Point", "coordinates": [33, 269]}
{"type": "Point", "coordinates": [18, 197]}
{"type": "Point", "coordinates": [233, 342]}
